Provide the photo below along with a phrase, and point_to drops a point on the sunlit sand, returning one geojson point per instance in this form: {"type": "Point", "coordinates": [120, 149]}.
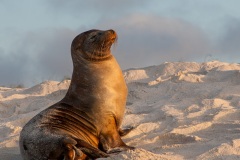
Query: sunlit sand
{"type": "Point", "coordinates": [181, 110]}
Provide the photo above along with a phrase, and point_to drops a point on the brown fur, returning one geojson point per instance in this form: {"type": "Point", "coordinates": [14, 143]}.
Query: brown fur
{"type": "Point", "coordinates": [86, 122]}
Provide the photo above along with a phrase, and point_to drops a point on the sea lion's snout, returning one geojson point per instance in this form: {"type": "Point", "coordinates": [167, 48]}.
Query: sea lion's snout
{"type": "Point", "coordinates": [112, 34]}
{"type": "Point", "coordinates": [112, 31]}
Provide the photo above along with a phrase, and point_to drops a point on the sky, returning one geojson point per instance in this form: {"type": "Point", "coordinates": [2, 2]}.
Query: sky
{"type": "Point", "coordinates": [35, 36]}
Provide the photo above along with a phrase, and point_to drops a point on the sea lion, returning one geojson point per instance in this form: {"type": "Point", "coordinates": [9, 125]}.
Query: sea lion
{"type": "Point", "coordinates": [86, 122]}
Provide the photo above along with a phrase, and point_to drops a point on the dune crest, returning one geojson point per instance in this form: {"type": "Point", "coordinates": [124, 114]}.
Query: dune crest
{"type": "Point", "coordinates": [180, 110]}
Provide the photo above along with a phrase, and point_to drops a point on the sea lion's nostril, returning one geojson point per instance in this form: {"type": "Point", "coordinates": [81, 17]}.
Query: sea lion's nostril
{"type": "Point", "coordinates": [24, 147]}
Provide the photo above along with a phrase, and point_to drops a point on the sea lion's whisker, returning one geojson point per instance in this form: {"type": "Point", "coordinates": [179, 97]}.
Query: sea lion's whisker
{"type": "Point", "coordinates": [93, 54]}
{"type": "Point", "coordinates": [102, 47]}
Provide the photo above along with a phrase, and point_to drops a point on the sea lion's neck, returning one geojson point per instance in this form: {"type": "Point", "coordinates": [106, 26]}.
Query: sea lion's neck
{"type": "Point", "coordinates": [87, 78]}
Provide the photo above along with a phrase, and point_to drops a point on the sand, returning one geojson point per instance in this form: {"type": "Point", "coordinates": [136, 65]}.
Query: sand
{"type": "Point", "coordinates": [181, 110]}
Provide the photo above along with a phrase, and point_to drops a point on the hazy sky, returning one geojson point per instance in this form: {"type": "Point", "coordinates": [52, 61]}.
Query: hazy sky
{"type": "Point", "coordinates": [35, 35]}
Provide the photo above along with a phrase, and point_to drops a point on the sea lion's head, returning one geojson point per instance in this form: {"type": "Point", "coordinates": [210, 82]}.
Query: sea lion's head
{"type": "Point", "coordinates": [93, 45]}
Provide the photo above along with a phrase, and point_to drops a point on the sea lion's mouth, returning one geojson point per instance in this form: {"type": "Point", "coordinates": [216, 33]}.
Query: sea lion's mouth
{"type": "Point", "coordinates": [113, 40]}
{"type": "Point", "coordinates": [100, 52]}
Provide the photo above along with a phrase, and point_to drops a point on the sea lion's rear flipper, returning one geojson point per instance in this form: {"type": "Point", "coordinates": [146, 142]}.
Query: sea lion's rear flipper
{"type": "Point", "coordinates": [125, 131]}
{"type": "Point", "coordinates": [71, 152]}
{"type": "Point", "coordinates": [79, 149]}
{"type": "Point", "coordinates": [90, 150]}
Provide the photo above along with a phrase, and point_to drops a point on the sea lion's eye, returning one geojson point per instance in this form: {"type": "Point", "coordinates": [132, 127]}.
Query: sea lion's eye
{"type": "Point", "coordinates": [93, 37]}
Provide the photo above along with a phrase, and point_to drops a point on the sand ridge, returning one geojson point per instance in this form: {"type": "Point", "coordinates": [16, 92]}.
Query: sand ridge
{"type": "Point", "coordinates": [180, 110]}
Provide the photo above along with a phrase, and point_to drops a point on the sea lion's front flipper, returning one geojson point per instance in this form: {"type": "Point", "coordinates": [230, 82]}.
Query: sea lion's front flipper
{"type": "Point", "coordinates": [119, 149]}
{"type": "Point", "coordinates": [125, 131]}
{"type": "Point", "coordinates": [112, 142]}
{"type": "Point", "coordinates": [108, 147]}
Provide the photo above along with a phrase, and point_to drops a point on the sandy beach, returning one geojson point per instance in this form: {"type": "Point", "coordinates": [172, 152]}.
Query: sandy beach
{"type": "Point", "coordinates": [180, 110]}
